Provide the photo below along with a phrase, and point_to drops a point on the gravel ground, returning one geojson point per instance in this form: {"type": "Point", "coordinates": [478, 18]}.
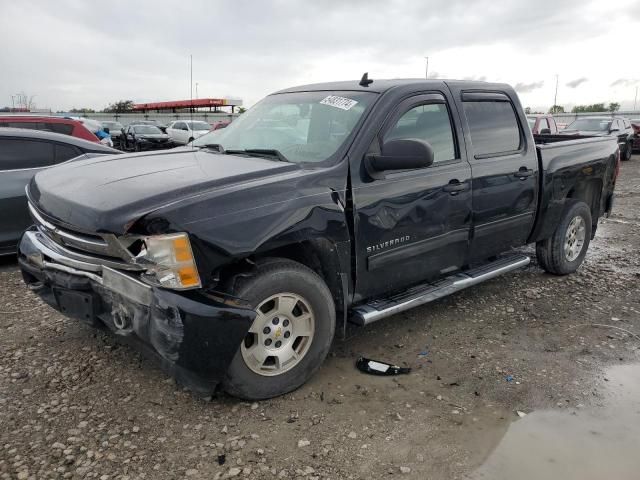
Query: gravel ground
{"type": "Point", "coordinates": [74, 403]}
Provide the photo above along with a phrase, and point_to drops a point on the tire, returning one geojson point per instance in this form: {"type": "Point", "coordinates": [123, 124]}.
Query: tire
{"type": "Point", "coordinates": [137, 147]}
{"type": "Point", "coordinates": [558, 255]}
{"type": "Point", "coordinates": [283, 281]}
{"type": "Point", "coordinates": [627, 152]}
{"type": "Point", "coordinates": [190, 140]}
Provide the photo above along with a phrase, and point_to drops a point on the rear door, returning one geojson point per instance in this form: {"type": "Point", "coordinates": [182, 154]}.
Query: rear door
{"type": "Point", "coordinates": [20, 160]}
{"type": "Point", "coordinates": [179, 132]}
{"type": "Point", "coordinates": [414, 225]}
{"type": "Point", "coordinates": [504, 165]}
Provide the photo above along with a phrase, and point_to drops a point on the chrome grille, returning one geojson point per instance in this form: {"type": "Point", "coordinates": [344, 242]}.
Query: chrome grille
{"type": "Point", "coordinates": [93, 248]}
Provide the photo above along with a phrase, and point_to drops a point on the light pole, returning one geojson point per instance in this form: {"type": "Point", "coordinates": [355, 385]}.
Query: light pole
{"type": "Point", "coordinates": [426, 72]}
{"type": "Point", "coordinates": [196, 90]}
{"type": "Point", "coordinates": [635, 100]}
{"type": "Point", "coordinates": [555, 96]}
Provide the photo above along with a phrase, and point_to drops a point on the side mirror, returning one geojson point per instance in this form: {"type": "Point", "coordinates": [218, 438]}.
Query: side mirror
{"type": "Point", "coordinates": [401, 154]}
{"type": "Point", "coordinates": [545, 131]}
{"type": "Point", "coordinates": [106, 129]}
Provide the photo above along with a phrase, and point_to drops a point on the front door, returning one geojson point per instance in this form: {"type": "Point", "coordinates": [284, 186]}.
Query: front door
{"type": "Point", "coordinates": [505, 173]}
{"type": "Point", "coordinates": [413, 225]}
{"type": "Point", "coordinates": [20, 160]}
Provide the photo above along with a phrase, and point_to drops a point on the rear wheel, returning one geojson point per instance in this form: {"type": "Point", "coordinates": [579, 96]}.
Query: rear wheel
{"type": "Point", "coordinates": [564, 252]}
{"type": "Point", "coordinates": [291, 334]}
{"type": "Point", "coordinates": [626, 155]}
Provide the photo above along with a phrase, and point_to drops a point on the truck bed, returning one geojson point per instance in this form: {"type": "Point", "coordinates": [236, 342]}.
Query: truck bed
{"type": "Point", "coordinates": [573, 166]}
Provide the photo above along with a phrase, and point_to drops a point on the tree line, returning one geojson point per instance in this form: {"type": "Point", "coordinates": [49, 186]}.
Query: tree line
{"type": "Point", "coordinates": [594, 107]}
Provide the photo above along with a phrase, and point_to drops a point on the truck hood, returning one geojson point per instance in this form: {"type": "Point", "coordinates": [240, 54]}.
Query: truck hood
{"type": "Point", "coordinates": [107, 194]}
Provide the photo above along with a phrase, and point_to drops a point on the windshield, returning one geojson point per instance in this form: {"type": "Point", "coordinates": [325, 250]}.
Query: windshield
{"type": "Point", "coordinates": [591, 125]}
{"type": "Point", "coordinates": [199, 125]}
{"type": "Point", "coordinates": [531, 121]}
{"type": "Point", "coordinates": [302, 126]}
{"type": "Point", "coordinates": [146, 129]}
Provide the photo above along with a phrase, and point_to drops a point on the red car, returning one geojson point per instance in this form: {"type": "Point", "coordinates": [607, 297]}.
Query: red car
{"type": "Point", "coordinates": [65, 126]}
{"type": "Point", "coordinates": [635, 123]}
{"type": "Point", "coordinates": [542, 124]}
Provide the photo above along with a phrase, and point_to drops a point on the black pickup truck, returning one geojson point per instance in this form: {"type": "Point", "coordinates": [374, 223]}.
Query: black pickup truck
{"type": "Point", "coordinates": [237, 259]}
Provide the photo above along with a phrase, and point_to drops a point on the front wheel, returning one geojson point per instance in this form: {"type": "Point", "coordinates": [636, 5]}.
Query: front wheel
{"type": "Point", "coordinates": [291, 334]}
{"type": "Point", "coordinates": [564, 252]}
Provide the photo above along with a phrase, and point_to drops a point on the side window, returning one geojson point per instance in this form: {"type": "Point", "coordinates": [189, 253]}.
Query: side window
{"type": "Point", "coordinates": [29, 125]}
{"type": "Point", "coordinates": [18, 153]}
{"type": "Point", "coordinates": [179, 126]}
{"type": "Point", "coordinates": [553, 125]}
{"type": "Point", "coordinates": [66, 152]}
{"type": "Point", "coordinates": [63, 128]}
{"type": "Point", "coordinates": [430, 123]}
{"type": "Point", "coordinates": [494, 127]}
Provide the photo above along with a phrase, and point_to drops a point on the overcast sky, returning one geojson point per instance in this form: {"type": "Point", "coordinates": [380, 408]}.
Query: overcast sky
{"type": "Point", "coordinates": [89, 54]}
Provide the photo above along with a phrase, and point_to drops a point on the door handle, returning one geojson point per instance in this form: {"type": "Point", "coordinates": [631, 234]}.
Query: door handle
{"type": "Point", "coordinates": [523, 173]}
{"type": "Point", "coordinates": [454, 187]}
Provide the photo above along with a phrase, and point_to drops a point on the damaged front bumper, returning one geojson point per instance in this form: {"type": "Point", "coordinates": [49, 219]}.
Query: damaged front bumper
{"type": "Point", "coordinates": [194, 336]}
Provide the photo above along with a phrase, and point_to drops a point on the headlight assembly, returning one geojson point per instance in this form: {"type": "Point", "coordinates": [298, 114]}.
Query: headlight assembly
{"type": "Point", "coordinates": [169, 261]}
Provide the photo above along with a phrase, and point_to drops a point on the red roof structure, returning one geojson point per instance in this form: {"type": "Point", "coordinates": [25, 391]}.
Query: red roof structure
{"type": "Point", "coordinates": [181, 104]}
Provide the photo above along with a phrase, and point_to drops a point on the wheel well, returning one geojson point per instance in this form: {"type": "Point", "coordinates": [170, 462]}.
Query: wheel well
{"type": "Point", "coordinates": [317, 255]}
{"type": "Point", "coordinates": [588, 192]}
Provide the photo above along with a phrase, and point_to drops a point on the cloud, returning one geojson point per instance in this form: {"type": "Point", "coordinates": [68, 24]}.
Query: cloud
{"type": "Point", "coordinates": [250, 48]}
{"type": "Point", "coordinates": [435, 75]}
{"type": "Point", "coordinates": [528, 87]}
{"type": "Point", "coordinates": [576, 82]}
{"type": "Point", "coordinates": [625, 82]}
{"type": "Point", "coordinates": [479, 78]}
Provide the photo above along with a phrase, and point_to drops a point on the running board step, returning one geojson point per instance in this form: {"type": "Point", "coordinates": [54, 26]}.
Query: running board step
{"type": "Point", "coordinates": [419, 295]}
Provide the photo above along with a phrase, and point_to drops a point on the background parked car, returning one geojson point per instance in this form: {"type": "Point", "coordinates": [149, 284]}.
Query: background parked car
{"type": "Point", "coordinates": [635, 124]}
{"type": "Point", "coordinates": [65, 126]}
{"type": "Point", "coordinates": [145, 137]}
{"type": "Point", "coordinates": [155, 123]}
{"type": "Point", "coordinates": [220, 124]}
{"type": "Point", "coordinates": [115, 130]}
{"type": "Point", "coordinates": [23, 153]}
{"type": "Point", "coordinates": [542, 124]}
{"type": "Point", "coordinates": [96, 127]}
{"type": "Point", "coordinates": [605, 126]}
{"type": "Point", "coordinates": [185, 131]}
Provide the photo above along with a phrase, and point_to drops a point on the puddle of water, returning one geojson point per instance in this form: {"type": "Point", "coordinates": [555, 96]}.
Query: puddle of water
{"type": "Point", "coordinates": [575, 445]}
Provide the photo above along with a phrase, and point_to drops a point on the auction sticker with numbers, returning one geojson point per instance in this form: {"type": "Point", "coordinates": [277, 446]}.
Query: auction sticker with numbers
{"type": "Point", "coordinates": [338, 102]}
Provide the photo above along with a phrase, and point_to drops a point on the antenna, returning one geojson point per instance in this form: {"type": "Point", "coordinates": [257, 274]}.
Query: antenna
{"type": "Point", "coordinates": [191, 91]}
{"type": "Point", "coordinates": [555, 96]}
{"type": "Point", "coordinates": [364, 81]}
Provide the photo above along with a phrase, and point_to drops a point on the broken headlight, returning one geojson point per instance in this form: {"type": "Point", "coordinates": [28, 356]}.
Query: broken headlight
{"type": "Point", "coordinates": [169, 261]}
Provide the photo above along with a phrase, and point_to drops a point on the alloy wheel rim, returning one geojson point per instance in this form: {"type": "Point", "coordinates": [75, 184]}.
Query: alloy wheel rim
{"type": "Point", "coordinates": [574, 238]}
{"type": "Point", "coordinates": [280, 335]}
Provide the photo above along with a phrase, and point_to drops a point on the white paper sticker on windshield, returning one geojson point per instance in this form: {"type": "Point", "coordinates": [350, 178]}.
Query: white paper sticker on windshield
{"type": "Point", "coordinates": [338, 102]}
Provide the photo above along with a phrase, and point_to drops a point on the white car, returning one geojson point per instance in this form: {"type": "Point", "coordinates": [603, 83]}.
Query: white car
{"type": "Point", "coordinates": [185, 131]}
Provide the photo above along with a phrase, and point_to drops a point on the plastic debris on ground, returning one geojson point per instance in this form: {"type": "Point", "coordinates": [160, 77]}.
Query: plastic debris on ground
{"type": "Point", "coordinates": [375, 367]}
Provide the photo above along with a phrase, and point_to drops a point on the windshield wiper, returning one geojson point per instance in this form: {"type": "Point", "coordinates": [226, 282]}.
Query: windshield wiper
{"type": "Point", "coordinates": [259, 152]}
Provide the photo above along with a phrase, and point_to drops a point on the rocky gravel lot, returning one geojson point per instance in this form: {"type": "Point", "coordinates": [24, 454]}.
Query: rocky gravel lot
{"type": "Point", "coordinates": [75, 403]}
